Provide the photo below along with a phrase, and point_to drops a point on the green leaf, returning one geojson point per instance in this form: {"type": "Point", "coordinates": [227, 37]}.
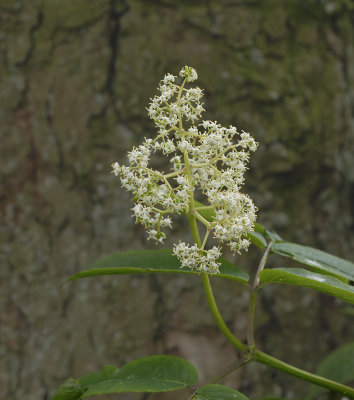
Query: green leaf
{"type": "Point", "coordinates": [218, 392]}
{"type": "Point", "coordinates": [70, 390]}
{"type": "Point", "coordinates": [149, 374]}
{"type": "Point", "coordinates": [316, 260]}
{"type": "Point", "coordinates": [152, 261]}
{"type": "Point", "coordinates": [261, 236]}
{"type": "Point", "coordinates": [268, 234]}
{"type": "Point", "coordinates": [257, 239]}
{"type": "Point", "coordinates": [338, 366]}
{"type": "Point", "coordinates": [301, 277]}
{"type": "Point", "coordinates": [272, 235]}
{"type": "Point", "coordinates": [260, 228]}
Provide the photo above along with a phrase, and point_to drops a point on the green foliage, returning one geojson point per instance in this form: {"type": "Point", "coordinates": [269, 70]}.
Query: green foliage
{"type": "Point", "coordinates": [301, 277]}
{"type": "Point", "coordinates": [338, 366]}
{"type": "Point", "coordinates": [268, 234]}
{"type": "Point", "coordinates": [218, 392]}
{"type": "Point", "coordinates": [331, 274]}
{"type": "Point", "coordinates": [257, 239]}
{"type": "Point", "coordinates": [316, 260]}
{"type": "Point", "coordinates": [149, 374]}
{"type": "Point", "coordinates": [152, 261]}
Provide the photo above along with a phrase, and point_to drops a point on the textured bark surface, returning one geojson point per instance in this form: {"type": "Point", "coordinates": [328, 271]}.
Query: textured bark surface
{"type": "Point", "coordinates": [75, 78]}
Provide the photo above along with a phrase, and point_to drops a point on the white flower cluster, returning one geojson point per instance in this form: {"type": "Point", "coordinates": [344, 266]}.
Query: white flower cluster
{"type": "Point", "coordinates": [205, 157]}
{"type": "Point", "coordinates": [203, 260]}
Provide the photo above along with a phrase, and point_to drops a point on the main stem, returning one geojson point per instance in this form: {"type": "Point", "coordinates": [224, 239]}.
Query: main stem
{"type": "Point", "coordinates": [209, 293]}
{"type": "Point", "coordinates": [217, 316]}
{"type": "Point", "coordinates": [205, 279]}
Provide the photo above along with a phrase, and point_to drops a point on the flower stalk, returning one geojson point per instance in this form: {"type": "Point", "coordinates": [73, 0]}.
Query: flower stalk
{"type": "Point", "coordinates": [205, 158]}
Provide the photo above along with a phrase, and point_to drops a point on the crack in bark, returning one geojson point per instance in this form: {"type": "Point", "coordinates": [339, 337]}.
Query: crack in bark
{"type": "Point", "coordinates": [114, 25]}
{"type": "Point", "coordinates": [21, 64]}
{"type": "Point", "coordinates": [114, 29]}
{"type": "Point", "coordinates": [34, 28]}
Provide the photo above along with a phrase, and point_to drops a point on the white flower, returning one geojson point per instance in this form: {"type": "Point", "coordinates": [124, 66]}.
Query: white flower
{"type": "Point", "coordinates": [158, 236]}
{"type": "Point", "coordinates": [182, 180]}
{"type": "Point", "coordinates": [247, 141]}
{"type": "Point", "coordinates": [169, 78]}
{"type": "Point", "coordinates": [116, 169]}
{"type": "Point", "coordinates": [189, 73]}
{"type": "Point", "coordinates": [168, 147]}
{"type": "Point", "coordinates": [166, 222]}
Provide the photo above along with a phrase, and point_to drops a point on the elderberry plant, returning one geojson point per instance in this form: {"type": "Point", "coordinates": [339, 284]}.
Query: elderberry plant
{"type": "Point", "coordinates": [208, 162]}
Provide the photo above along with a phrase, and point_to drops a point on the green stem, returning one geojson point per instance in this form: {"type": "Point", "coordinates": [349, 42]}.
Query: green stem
{"type": "Point", "coordinates": [176, 173]}
{"type": "Point", "coordinates": [205, 239]}
{"type": "Point", "coordinates": [253, 297]}
{"type": "Point", "coordinates": [217, 316]}
{"type": "Point", "coordinates": [205, 279]}
{"type": "Point", "coordinates": [262, 264]}
{"type": "Point", "coordinates": [259, 356]}
{"type": "Point", "coordinates": [191, 206]}
{"type": "Point", "coordinates": [201, 219]}
{"type": "Point", "coordinates": [299, 373]}
{"type": "Point", "coordinates": [250, 322]}
{"type": "Point", "coordinates": [266, 359]}
{"type": "Point", "coordinates": [229, 371]}
{"type": "Point", "coordinates": [194, 229]}
{"type": "Point", "coordinates": [205, 208]}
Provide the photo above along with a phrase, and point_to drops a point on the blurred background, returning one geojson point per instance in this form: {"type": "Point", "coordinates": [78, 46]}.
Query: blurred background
{"type": "Point", "coordinates": [75, 80]}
